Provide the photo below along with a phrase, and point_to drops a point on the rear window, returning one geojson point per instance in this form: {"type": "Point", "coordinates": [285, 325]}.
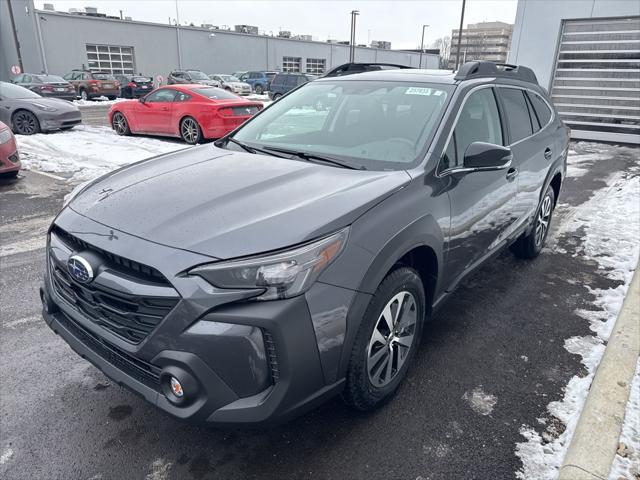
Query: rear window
{"type": "Point", "coordinates": [215, 93]}
{"type": "Point", "coordinates": [103, 76]}
{"type": "Point", "coordinates": [141, 79]}
{"type": "Point", "coordinates": [49, 79]}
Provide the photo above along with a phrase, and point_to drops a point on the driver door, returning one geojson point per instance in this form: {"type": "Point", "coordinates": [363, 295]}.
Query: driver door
{"type": "Point", "coordinates": [156, 113]}
{"type": "Point", "coordinates": [482, 202]}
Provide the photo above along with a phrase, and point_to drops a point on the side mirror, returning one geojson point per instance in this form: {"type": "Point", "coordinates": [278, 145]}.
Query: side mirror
{"type": "Point", "coordinates": [142, 100]}
{"type": "Point", "coordinates": [487, 156]}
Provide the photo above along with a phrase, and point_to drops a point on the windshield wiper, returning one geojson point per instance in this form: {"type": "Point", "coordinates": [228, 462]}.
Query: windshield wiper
{"type": "Point", "coordinates": [248, 148]}
{"type": "Point", "coordinates": [316, 157]}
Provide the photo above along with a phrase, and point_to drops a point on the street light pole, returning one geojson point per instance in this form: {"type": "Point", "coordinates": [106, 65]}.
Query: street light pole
{"type": "Point", "coordinates": [422, 44]}
{"type": "Point", "coordinates": [178, 37]}
{"type": "Point", "coordinates": [352, 41]}
{"type": "Point", "coordinates": [460, 34]}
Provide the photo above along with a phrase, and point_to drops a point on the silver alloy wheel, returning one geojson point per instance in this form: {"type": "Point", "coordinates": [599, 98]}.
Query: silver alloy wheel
{"type": "Point", "coordinates": [392, 338]}
{"type": "Point", "coordinates": [25, 123]}
{"type": "Point", "coordinates": [542, 224]}
{"type": "Point", "coordinates": [190, 130]}
{"type": "Point", "coordinates": [119, 124]}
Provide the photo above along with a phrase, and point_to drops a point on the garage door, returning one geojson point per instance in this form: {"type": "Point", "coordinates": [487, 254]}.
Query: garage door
{"type": "Point", "coordinates": [596, 83]}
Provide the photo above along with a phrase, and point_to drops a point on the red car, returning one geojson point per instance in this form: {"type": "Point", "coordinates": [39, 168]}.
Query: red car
{"type": "Point", "coordinates": [9, 159]}
{"type": "Point", "coordinates": [192, 112]}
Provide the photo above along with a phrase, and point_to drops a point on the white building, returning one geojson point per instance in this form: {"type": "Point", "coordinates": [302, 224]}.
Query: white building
{"type": "Point", "coordinates": [587, 54]}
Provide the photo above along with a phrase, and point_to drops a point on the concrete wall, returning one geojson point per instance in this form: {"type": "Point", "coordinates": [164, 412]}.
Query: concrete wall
{"type": "Point", "coordinates": [156, 46]}
{"type": "Point", "coordinates": [537, 29]}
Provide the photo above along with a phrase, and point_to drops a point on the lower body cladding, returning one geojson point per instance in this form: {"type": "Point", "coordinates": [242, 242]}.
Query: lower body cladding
{"type": "Point", "coordinates": [210, 358]}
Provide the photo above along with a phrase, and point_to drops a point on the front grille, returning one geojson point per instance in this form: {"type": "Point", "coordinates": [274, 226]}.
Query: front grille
{"type": "Point", "coordinates": [128, 266]}
{"type": "Point", "coordinates": [131, 317]}
{"type": "Point", "coordinates": [142, 371]}
{"type": "Point", "coordinates": [271, 356]}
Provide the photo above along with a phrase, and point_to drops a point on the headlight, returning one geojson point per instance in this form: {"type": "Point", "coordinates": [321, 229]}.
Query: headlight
{"type": "Point", "coordinates": [5, 135]}
{"type": "Point", "coordinates": [46, 108]}
{"type": "Point", "coordinates": [281, 275]}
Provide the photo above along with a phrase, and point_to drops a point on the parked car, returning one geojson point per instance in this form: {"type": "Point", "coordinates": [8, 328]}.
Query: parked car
{"type": "Point", "coordinates": [299, 257]}
{"type": "Point", "coordinates": [134, 86]}
{"type": "Point", "coordinates": [190, 77]}
{"type": "Point", "coordinates": [28, 113]}
{"type": "Point", "coordinates": [9, 157]}
{"type": "Point", "coordinates": [239, 73]}
{"type": "Point", "coordinates": [259, 81]}
{"type": "Point", "coordinates": [192, 112]}
{"type": "Point", "coordinates": [90, 85]}
{"type": "Point", "coordinates": [231, 83]}
{"type": "Point", "coordinates": [46, 85]}
{"type": "Point", "coordinates": [284, 82]}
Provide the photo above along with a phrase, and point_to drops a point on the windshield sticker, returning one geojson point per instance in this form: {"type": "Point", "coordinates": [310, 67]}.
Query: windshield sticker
{"type": "Point", "coordinates": [420, 91]}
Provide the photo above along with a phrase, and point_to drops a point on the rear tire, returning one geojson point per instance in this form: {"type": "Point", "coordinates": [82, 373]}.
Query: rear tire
{"type": "Point", "coordinates": [25, 123]}
{"type": "Point", "coordinates": [530, 245]}
{"type": "Point", "coordinates": [387, 340]}
{"type": "Point", "coordinates": [120, 125]}
{"type": "Point", "coordinates": [276, 96]}
{"type": "Point", "coordinates": [190, 131]}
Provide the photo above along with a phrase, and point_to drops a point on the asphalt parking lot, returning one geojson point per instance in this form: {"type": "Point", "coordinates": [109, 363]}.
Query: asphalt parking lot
{"type": "Point", "coordinates": [491, 361]}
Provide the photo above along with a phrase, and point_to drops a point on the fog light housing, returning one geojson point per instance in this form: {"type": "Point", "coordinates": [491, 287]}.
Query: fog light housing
{"type": "Point", "coordinates": [178, 386]}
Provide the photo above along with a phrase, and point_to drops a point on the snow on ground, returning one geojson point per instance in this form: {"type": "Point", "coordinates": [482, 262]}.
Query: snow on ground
{"type": "Point", "coordinates": [87, 152]}
{"type": "Point", "coordinates": [610, 220]}
{"type": "Point", "coordinates": [96, 101]}
{"type": "Point", "coordinates": [626, 463]}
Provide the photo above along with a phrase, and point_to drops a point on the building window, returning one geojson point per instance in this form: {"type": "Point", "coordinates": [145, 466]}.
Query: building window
{"type": "Point", "coordinates": [315, 66]}
{"type": "Point", "coordinates": [114, 59]}
{"type": "Point", "coordinates": [291, 64]}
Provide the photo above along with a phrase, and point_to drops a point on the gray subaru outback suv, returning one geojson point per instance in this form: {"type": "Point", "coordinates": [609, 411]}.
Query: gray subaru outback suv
{"type": "Point", "coordinates": [300, 256]}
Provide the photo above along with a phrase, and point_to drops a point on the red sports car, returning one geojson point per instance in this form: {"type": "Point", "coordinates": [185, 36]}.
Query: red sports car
{"type": "Point", "coordinates": [192, 112]}
{"type": "Point", "coordinates": [9, 159]}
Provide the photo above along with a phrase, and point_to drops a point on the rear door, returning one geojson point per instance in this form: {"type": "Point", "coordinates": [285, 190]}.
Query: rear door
{"type": "Point", "coordinates": [481, 202]}
{"type": "Point", "coordinates": [532, 146]}
{"type": "Point", "coordinates": [155, 114]}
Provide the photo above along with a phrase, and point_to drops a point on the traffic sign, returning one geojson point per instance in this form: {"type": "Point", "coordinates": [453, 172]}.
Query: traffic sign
{"type": "Point", "coordinates": [15, 69]}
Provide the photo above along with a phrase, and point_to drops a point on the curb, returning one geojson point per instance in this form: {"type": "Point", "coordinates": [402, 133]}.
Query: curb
{"type": "Point", "coordinates": [595, 441]}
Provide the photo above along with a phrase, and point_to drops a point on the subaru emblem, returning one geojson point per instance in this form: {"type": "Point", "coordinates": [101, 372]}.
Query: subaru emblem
{"type": "Point", "coordinates": [79, 269]}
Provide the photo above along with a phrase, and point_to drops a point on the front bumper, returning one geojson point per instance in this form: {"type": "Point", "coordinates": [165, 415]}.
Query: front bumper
{"type": "Point", "coordinates": [247, 362]}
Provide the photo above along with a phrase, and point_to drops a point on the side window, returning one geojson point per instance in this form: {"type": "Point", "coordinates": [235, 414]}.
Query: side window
{"type": "Point", "coordinates": [244, 77]}
{"type": "Point", "coordinates": [532, 114]}
{"type": "Point", "coordinates": [290, 80]}
{"type": "Point", "coordinates": [517, 113]}
{"type": "Point", "coordinates": [181, 97]}
{"type": "Point", "coordinates": [302, 80]}
{"type": "Point", "coordinates": [254, 75]}
{"type": "Point", "coordinates": [68, 76]}
{"type": "Point", "coordinates": [162, 95]}
{"type": "Point", "coordinates": [541, 108]}
{"type": "Point", "coordinates": [479, 121]}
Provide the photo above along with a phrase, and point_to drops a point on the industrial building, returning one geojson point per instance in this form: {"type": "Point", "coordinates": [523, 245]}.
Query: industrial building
{"type": "Point", "coordinates": [587, 54]}
{"type": "Point", "coordinates": [57, 42]}
{"type": "Point", "coordinates": [481, 41]}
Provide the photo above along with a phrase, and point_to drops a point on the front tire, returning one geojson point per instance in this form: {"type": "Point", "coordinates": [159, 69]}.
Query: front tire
{"type": "Point", "coordinates": [120, 125]}
{"type": "Point", "coordinates": [25, 123]}
{"type": "Point", "coordinates": [387, 340]}
{"type": "Point", "coordinates": [190, 131]}
{"type": "Point", "coordinates": [530, 246]}
{"type": "Point", "coordinates": [259, 89]}
{"type": "Point", "coordinates": [276, 97]}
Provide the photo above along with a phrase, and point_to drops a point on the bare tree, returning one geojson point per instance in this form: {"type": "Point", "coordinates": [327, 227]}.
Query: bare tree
{"type": "Point", "coordinates": [444, 45]}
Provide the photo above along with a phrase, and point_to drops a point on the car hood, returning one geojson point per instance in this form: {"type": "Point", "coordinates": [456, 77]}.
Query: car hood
{"type": "Point", "coordinates": [212, 83]}
{"type": "Point", "coordinates": [57, 103]}
{"type": "Point", "coordinates": [228, 204]}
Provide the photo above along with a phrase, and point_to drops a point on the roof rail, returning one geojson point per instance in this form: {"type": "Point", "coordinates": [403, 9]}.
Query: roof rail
{"type": "Point", "coordinates": [477, 69]}
{"type": "Point", "coordinates": [351, 68]}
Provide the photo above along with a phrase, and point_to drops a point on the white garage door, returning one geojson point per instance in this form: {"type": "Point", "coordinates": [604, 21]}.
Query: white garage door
{"type": "Point", "coordinates": [596, 84]}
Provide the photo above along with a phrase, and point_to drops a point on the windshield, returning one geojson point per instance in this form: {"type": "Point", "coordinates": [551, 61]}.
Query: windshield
{"type": "Point", "coordinates": [49, 79]}
{"type": "Point", "coordinates": [378, 125]}
{"type": "Point", "coordinates": [196, 75]}
{"type": "Point", "coordinates": [229, 78]}
{"type": "Point", "coordinates": [215, 93]}
{"type": "Point", "coordinates": [9, 91]}
{"type": "Point", "coordinates": [103, 76]}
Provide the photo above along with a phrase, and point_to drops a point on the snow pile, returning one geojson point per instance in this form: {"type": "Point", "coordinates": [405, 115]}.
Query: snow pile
{"type": "Point", "coordinates": [88, 152]}
{"type": "Point", "coordinates": [611, 222]}
{"type": "Point", "coordinates": [626, 463]}
{"type": "Point", "coordinates": [97, 101]}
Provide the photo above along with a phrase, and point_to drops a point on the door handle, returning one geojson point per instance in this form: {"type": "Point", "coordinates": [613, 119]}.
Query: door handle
{"type": "Point", "coordinates": [547, 153]}
{"type": "Point", "coordinates": [512, 173]}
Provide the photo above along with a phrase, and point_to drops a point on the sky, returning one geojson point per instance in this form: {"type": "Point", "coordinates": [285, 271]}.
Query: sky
{"type": "Point", "coordinates": [397, 21]}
